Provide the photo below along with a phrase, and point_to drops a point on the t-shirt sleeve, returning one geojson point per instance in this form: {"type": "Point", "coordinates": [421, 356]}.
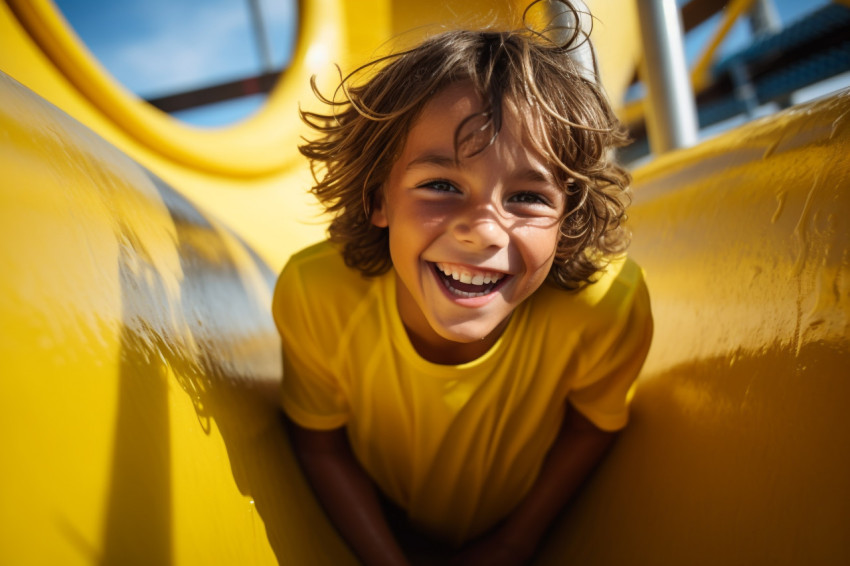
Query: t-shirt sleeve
{"type": "Point", "coordinates": [311, 394]}
{"type": "Point", "coordinates": [603, 393]}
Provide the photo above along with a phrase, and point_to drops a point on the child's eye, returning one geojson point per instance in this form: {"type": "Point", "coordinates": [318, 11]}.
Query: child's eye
{"type": "Point", "coordinates": [440, 185]}
{"type": "Point", "coordinates": [530, 198]}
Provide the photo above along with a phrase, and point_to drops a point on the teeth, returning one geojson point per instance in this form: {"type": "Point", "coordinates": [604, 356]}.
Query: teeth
{"type": "Point", "coordinates": [459, 274]}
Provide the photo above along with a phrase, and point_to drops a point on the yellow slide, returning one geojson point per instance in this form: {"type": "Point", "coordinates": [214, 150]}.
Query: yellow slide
{"type": "Point", "coordinates": [137, 401]}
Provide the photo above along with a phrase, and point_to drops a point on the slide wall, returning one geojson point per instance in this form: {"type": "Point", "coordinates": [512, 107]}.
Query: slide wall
{"type": "Point", "coordinates": [141, 363]}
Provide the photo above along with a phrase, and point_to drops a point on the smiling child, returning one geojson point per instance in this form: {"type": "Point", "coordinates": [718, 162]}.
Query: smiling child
{"type": "Point", "coordinates": [464, 343]}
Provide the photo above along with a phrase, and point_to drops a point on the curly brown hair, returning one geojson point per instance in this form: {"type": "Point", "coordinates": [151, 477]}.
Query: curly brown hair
{"type": "Point", "coordinates": [365, 131]}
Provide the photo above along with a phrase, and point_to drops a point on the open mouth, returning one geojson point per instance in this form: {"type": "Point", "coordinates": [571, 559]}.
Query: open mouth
{"type": "Point", "coordinates": [463, 282]}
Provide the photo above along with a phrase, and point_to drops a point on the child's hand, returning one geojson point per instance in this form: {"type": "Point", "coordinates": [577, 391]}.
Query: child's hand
{"type": "Point", "coordinates": [493, 550]}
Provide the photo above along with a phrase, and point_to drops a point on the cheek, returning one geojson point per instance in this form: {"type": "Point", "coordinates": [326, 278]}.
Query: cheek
{"type": "Point", "coordinates": [429, 214]}
{"type": "Point", "coordinates": [541, 245]}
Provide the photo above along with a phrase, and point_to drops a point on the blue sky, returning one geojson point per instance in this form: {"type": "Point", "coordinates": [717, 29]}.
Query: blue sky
{"type": "Point", "coordinates": [159, 47]}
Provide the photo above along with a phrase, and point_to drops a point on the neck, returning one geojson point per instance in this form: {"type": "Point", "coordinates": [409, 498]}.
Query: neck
{"type": "Point", "coordinates": [446, 352]}
{"type": "Point", "coordinates": [434, 347]}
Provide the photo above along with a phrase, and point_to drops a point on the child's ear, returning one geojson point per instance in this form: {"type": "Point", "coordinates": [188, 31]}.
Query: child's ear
{"type": "Point", "coordinates": [379, 209]}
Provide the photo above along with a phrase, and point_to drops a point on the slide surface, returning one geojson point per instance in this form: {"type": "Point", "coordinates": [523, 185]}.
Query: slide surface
{"type": "Point", "coordinates": [137, 399]}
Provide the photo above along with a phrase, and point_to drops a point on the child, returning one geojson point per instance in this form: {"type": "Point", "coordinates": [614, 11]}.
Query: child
{"type": "Point", "coordinates": [463, 345]}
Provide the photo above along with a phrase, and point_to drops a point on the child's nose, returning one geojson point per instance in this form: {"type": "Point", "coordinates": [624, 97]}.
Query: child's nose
{"type": "Point", "coordinates": [480, 228]}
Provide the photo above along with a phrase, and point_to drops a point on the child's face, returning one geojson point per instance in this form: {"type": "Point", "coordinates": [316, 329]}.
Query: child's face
{"type": "Point", "coordinates": [469, 241]}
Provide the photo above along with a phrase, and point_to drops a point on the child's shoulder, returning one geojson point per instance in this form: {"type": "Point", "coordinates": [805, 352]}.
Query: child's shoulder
{"type": "Point", "coordinates": [318, 299]}
{"type": "Point", "coordinates": [616, 287]}
{"type": "Point", "coordinates": [316, 254]}
{"type": "Point", "coordinates": [319, 271]}
{"type": "Point", "coordinates": [622, 276]}
{"type": "Point", "coordinates": [318, 263]}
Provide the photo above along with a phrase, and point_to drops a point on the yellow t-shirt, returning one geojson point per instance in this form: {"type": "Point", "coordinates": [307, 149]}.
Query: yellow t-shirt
{"type": "Point", "coordinates": [456, 446]}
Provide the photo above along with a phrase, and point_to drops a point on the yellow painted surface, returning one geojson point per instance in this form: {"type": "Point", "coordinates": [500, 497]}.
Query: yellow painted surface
{"type": "Point", "coordinates": [252, 174]}
{"type": "Point", "coordinates": [140, 360]}
{"type": "Point", "coordinates": [739, 446]}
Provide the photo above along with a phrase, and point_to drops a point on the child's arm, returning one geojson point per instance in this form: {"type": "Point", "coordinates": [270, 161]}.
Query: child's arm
{"type": "Point", "coordinates": [347, 494]}
{"type": "Point", "coordinates": [578, 448]}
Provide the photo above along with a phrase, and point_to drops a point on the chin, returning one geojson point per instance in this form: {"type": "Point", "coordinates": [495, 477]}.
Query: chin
{"type": "Point", "coordinates": [467, 335]}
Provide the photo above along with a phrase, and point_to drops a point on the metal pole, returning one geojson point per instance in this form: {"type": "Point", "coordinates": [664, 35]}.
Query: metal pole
{"type": "Point", "coordinates": [564, 20]}
{"type": "Point", "coordinates": [671, 113]}
{"type": "Point", "coordinates": [764, 18]}
{"type": "Point", "coordinates": [260, 35]}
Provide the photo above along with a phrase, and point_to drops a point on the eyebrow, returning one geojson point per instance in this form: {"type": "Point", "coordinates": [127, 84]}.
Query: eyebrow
{"type": "Point", "coordinates": [535, 176]}
{"type": "Point", "coordinates": [438, 159]}
{"type": "Point", "coordinates": [441, 160]}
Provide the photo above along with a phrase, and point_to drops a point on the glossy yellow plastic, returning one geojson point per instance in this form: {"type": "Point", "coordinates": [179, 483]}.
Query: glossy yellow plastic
{"type": "Point", "coordinates": [139, 368]}
{"type": "Point", "coordinates": [739, 447]}
{"type": "Point", "coordinates": [140, 360]}
{"type": "Point", "coordinates": [242, 150]}
{"type": "Point", "coordinates": [251, 173]}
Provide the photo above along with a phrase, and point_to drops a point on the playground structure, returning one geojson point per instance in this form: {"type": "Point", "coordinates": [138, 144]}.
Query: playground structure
{"type": "Point", "coordinates": [137, 400]}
